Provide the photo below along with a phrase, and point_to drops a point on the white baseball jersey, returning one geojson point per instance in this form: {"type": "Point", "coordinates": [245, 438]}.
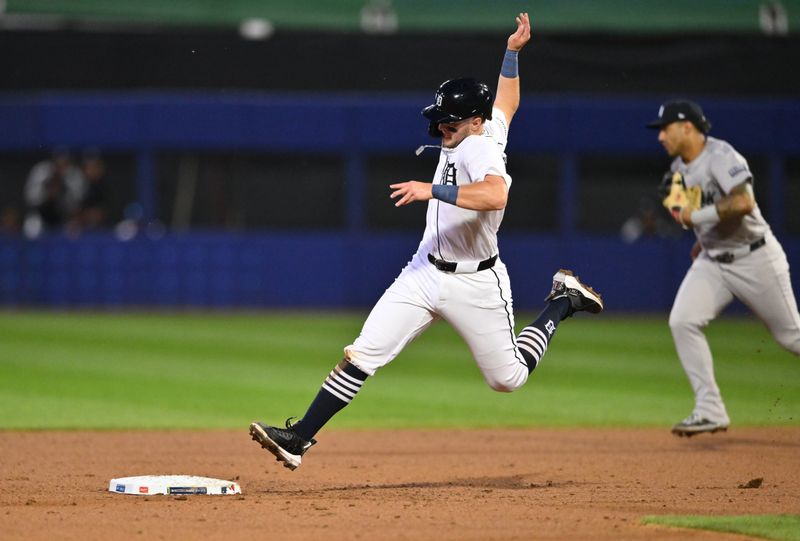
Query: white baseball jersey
{"type": "Point", "coordinates": [457, 234]}
{"type": "Point", "coordinates": [477, 304]}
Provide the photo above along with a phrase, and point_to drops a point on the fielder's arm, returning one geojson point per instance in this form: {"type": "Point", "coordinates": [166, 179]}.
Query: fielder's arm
{"type": "Point", "coordinates": [696, 249]}
{"type": "Point", "coordinates": [507, 98]}
{"type": "Point", "coordinates": [737, 203]}
{"type": "Point", "coordinates": [489, 194]}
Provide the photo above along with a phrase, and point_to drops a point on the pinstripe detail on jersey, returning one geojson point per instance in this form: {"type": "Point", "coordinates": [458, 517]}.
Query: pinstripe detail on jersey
{"type": "Point", "coordinates": [341, 385]}
{"type": "Point", "coordinates": [508, 318]}
{"type": "Point", "coordinates": [443, 181]}
{"type": "Point", "coordinates": [438, 240]}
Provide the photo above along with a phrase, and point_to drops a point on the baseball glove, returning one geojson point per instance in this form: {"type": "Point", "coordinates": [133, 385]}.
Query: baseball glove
{"type": "Point", "coordinates": [676, 196]}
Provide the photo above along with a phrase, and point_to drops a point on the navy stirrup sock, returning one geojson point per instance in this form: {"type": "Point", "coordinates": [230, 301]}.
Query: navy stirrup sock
{"type": "Point", "coordinates": [338, 389]}
{"type": "Point", "coordinates": [534, 339]}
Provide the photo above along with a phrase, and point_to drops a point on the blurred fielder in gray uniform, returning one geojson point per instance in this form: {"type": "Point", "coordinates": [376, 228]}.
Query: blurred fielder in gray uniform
{"type": "Point", "coordinates": [735, 255]}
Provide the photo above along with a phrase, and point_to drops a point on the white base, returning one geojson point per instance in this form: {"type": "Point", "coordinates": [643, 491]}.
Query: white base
{"type": "Point", "coordinates": [175, 485]}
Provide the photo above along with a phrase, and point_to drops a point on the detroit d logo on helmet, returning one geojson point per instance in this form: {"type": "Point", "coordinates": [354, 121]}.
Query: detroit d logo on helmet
{"type": "Point", "coordinates": [438, 99]}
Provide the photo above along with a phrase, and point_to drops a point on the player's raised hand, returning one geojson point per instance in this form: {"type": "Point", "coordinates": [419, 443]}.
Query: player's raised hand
{"type": "Point", "coordinates": [411, 191]}
{"type": "Point", "coordinates": [518, 39]}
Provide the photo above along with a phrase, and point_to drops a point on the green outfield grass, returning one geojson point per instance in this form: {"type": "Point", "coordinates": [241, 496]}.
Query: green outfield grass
{"type": "Point", "coordinates": [776, 527]}
{"type": "Point", "coordinates": [190, 370]}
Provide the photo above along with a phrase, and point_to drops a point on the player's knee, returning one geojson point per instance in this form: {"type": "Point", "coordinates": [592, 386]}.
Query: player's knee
{"type": "Point", "coordinates": [501, 387]}
{"type": "Point", "coordinates": [791, 343]}
{"type": "Point", "coordinates": [676, 324]}
{"type": "Point", "coordinates": [680, 322]}
{"type": "Point", "coordinates": [359, 361]}
{"type": "Point", "coordinates": [507, 383]}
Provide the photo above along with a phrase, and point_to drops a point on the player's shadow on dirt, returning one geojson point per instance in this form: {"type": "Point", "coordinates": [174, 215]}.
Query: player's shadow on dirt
{"type": "Point", "coordinates": [513, 482]}
{"type": "Point", "coordinates": [726, 442]}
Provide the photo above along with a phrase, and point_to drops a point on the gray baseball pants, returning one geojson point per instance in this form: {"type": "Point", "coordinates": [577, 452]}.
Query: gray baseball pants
{"type": "Point", "coordinates": [762, 282]}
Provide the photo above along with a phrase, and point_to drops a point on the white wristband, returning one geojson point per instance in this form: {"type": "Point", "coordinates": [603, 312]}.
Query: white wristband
{"type": "Point", "coordinates": [707, 215]}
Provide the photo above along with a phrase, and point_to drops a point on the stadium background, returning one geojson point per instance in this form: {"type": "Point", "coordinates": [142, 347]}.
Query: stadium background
{"type": "Point", "coordinates": [255, 170]}
{"type": "Point", "coordinates": [249, 146]}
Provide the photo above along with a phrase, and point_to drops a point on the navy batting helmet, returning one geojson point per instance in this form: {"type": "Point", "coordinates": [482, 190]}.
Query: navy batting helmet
{"type": "Point", "coordinates": [458, 99]}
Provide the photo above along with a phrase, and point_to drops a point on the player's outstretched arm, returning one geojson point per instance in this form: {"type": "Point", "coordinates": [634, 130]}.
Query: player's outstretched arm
{"type": "Point", "coordinates": [507, 99]}
{"type": "Point", "coordinates": [489, 194]}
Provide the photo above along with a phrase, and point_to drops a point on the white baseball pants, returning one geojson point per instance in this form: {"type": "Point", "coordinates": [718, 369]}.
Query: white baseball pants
{"type": "Point", "coordinates": [478, 305]}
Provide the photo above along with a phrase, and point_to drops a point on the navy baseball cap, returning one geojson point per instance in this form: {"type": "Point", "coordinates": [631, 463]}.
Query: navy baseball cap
{"type": "Point", "coordinates": [681, 111]}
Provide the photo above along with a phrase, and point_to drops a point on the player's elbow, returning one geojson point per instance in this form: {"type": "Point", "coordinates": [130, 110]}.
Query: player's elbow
{"type": "Point", "coordinates": [742, 202]}
{"type": "Point", "coordinates": [496, 196]}
{"type": "Point", "coordinates": [499, 201]}
{"type": "Point", "coordinates": [745, 205]}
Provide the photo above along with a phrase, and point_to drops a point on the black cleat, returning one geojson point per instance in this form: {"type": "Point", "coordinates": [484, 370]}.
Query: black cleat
{"type": "Point", "coordinates": [287, 446]}
{"type": "Point", "coordinates": [581, 297]}
{"type": "Point", "coordinates": [694, 424]}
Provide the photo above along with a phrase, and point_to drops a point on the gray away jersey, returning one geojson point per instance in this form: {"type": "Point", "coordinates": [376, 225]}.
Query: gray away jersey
{"type": "Point", "coordinates": [717, 170]}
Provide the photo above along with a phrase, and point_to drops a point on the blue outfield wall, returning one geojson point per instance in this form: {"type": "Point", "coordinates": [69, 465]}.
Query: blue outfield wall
{"type": "Point", "coordinates": [313, 270]}
{"type": "Point", "coordinates": [344, 122]}
{"type": "Point", "coordinates": [349, 267]}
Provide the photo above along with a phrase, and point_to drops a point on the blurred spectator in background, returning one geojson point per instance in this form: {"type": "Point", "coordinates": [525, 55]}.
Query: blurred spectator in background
{"type": "Point", "coordinates": [378, 17]}
{"type": "Point", "coordinates": [649, 221]}
{"type": "Point", "coordinates": [9, 221]}
{"type": "Point", "coordinates": [92, 212]}
{"type": "Point", "coordinates": [53, 194]}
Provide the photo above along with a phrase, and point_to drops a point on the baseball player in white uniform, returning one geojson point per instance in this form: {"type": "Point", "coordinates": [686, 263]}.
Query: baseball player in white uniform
{"type": "Point", "coordinates": [735, 255]}
{"type": "Point", "coordinates": [456, 274]}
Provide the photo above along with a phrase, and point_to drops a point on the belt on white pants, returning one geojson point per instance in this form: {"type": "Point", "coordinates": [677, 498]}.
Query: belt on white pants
{"type": "Point", "coordinates": [462, 266]}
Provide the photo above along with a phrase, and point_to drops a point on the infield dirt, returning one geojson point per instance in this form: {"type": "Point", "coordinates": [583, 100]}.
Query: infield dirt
{"type": "Point", "coordinates": [569, 484]}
